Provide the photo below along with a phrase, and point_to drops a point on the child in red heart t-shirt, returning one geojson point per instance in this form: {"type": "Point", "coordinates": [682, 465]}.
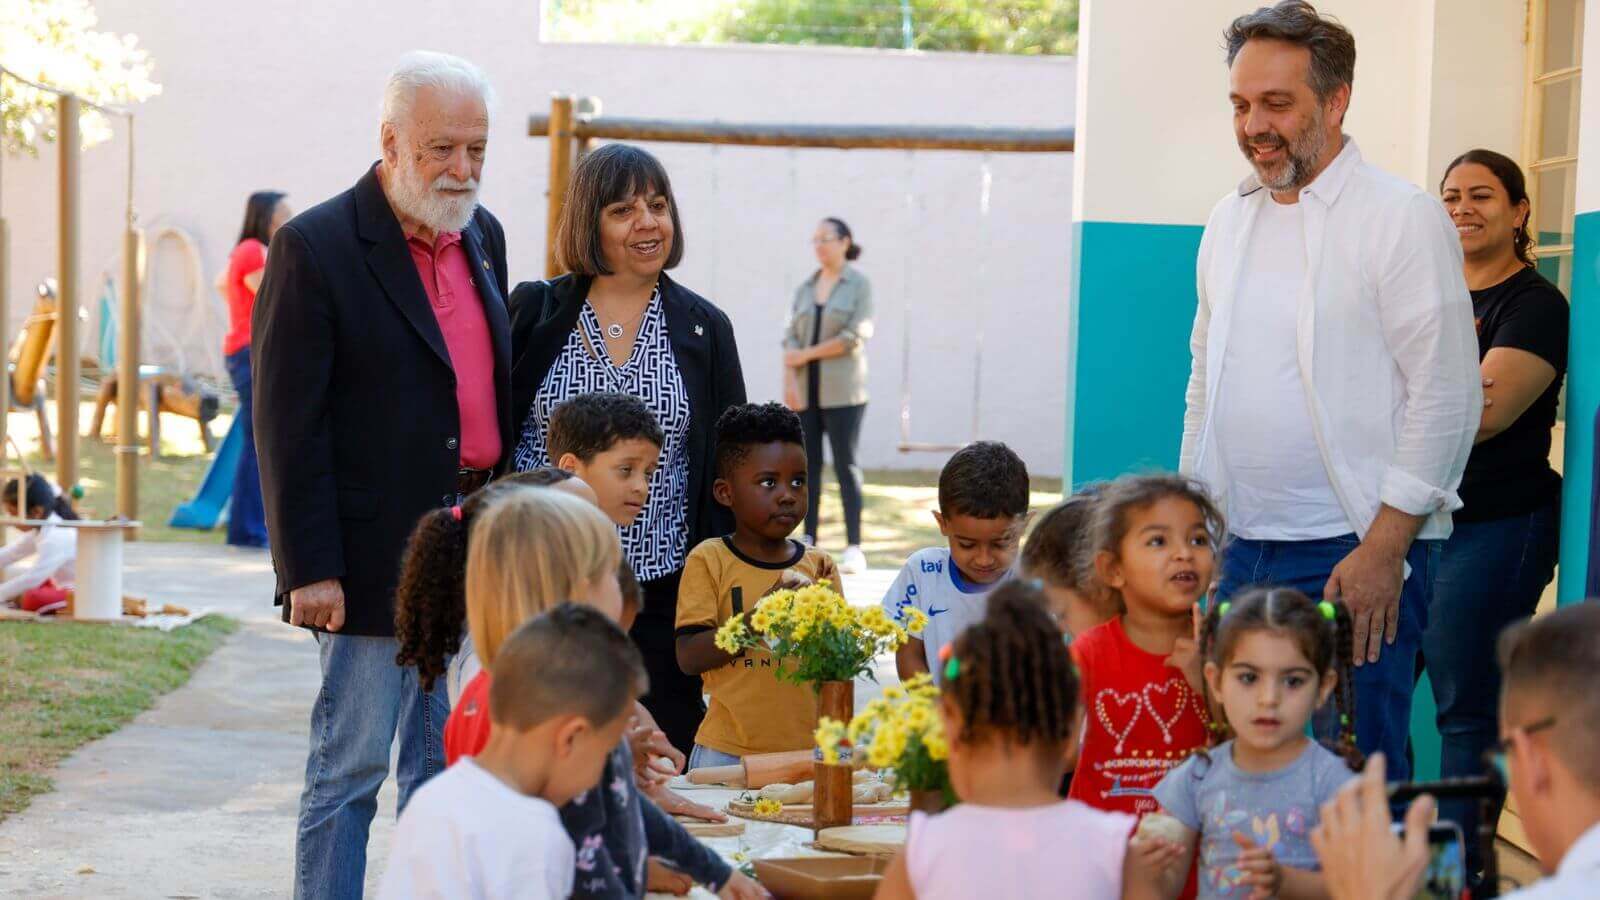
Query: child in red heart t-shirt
{"type": "Point", "coordinates": [1155, 540]}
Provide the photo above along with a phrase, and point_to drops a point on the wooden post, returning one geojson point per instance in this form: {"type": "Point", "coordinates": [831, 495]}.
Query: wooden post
{"type": "Point", "coordinates": [128, 328]}
{"type": "Point", "coordinates": [560, 175]}
{"type": "Point", "coordinates": [67, 141]}
{"type": "Point", "coordinates": [5, 332]}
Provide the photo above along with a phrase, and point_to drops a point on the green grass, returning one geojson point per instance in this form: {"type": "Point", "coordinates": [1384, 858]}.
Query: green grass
{"type": "Point", "coordinates": [897, 513]}
{"type": "Point", "coordinates": [67, 683]}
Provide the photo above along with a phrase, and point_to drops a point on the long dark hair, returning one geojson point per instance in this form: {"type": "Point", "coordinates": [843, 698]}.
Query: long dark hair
{"type": "Point", "coordinates": [1510, 175]}
{"type": "Point", "coordinates": [1011, 675]}
{"type": "Point", "coordinates": [843, 230]}
{"type": "Point", "coordinates": [258, 212]}
{"type": "Point", "coordinates": [41, 495]}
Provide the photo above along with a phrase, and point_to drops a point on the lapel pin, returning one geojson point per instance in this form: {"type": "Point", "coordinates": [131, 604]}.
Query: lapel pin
{"type": "Point", "coordinates": [699, 331]}
{"type": "Point", "coordinates": [486, 265]}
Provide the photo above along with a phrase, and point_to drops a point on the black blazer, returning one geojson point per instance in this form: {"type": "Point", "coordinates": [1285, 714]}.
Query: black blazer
{"type": "Point", "coordinates": [356, 421]}
{"type": "Point", "coordinates": [543, 314]}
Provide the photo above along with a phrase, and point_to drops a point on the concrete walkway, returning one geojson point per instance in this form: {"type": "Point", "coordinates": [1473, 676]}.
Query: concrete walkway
{"type": "Point", "coordinates": [198, 797]}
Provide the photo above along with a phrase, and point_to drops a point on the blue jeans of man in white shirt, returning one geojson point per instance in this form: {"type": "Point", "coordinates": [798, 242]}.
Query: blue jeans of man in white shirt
{"type": "Point", "coordinates": [1383, 688]}
{"type": "Point", "coordinates": [365, 704]}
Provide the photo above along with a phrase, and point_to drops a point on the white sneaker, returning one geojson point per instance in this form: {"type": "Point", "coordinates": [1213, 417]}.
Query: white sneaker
{"type": "Point", "coordinates": [852, 561]}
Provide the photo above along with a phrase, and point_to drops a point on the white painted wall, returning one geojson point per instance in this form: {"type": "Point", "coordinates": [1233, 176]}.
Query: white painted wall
{"type": "Point", "coordinates": [285, 96]}
{"type": "Point", "coordinates": [1155, 139]}
{"type": "Point", "coordinates": [1588, 199]}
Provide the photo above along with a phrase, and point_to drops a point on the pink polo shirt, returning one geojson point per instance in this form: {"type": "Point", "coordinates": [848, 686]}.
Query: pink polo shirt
{"type": "Point", "coordinates": [447, 277]}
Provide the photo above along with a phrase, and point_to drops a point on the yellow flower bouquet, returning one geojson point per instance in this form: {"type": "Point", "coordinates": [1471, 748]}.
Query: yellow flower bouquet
{"type": "Point", "coordinates": [826, 638]}
{"type": "Point", "coordinates": [900, 730]}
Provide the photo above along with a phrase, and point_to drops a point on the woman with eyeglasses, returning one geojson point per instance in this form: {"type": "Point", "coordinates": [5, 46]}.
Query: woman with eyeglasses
{"type": "Point", "coordinates": [825, 374]}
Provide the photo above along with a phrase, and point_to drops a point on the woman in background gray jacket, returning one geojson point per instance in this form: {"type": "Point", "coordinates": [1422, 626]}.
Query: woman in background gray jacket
{"type": "Point", "coordinates": [825, 374]}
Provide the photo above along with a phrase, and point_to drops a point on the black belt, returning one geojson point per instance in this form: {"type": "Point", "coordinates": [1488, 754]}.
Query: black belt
{"type": "Point", "coordinates": [469, 480]}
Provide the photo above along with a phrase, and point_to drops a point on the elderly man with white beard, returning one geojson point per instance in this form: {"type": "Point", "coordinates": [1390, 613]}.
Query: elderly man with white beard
{"type": "Point", "coordinates": [382, 357]}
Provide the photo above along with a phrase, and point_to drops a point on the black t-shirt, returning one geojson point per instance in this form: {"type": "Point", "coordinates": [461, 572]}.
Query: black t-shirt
{"type": "Point", "coordinates": [1510, 474]}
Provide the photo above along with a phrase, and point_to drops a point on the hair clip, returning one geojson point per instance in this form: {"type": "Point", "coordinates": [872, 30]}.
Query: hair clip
{"type": "Point", "coordinates": [946, 651]}
{"type": "Point", "coordinates": [455, 512]}
{"type": "Point", "coordinates": [1328, 611]}
{"type": "Point", "coordinates": [1222, 608]}
{"type": "Point", "coordinates": [952, 669]}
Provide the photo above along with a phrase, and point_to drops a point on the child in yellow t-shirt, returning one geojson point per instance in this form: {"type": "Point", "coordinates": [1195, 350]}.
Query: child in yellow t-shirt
{"type": "Point", "coordinates": [761, 476]}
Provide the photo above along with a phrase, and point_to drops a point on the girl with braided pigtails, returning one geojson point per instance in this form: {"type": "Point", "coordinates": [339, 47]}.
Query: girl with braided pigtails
{"type": "Point", "coordinates": [1272, 657]}
{"type": "Point", "coordinates": [1009, 703]}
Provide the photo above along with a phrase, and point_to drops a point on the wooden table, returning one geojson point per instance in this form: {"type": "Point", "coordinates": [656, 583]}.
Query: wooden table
{"type": "Point", "coordinates": [97, 593]}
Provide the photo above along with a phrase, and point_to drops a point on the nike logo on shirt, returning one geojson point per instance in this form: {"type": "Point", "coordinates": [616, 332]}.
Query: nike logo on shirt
{"type": "Point", "coordinates": [935, 612]}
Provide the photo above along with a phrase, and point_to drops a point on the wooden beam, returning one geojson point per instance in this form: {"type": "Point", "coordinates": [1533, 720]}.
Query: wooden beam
{"type": "Point", "coordinates": [69, 187]}
{"type": "Point", "coordinates": [558, 127]}
{"type": "Point", "coordinates": [840, 137]}
{"type": "Point", "coordinates": [128, 328]}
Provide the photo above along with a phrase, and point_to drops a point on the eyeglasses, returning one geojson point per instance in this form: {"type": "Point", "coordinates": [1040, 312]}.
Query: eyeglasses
{"type": "Point", "coordinates": [1496, 755]}
{"type": "Point", "coordinates": [818, 242]}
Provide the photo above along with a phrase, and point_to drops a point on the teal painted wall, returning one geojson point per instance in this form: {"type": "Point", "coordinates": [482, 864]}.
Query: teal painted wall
{"type": "Point", "coordinates": [1583, 397]}
{"type": "Point", "coordinates": [1133, 302]}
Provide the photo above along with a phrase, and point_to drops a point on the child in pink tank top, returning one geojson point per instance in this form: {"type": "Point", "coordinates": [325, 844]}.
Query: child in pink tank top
{"type": "Point", "coordinates": [1010, 739]}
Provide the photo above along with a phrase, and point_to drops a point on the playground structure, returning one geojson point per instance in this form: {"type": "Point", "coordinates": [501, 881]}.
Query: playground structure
{"type": "Point", "coordinates": [33, 352]}
{"type": "Point", "coordinates": [572, 126]}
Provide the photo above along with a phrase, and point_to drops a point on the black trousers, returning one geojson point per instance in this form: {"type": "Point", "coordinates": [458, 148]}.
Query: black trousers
{"type": "Point", "coordinates": [842, 425]}
{"type": "Point", "coordinates": [676, 700]}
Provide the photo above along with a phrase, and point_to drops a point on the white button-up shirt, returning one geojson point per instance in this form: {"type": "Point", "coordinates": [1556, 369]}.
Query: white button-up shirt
{"type": "Point", "coordinates": [1577, 877]}
{"type": "Point", "coordinates": [1384, 339]}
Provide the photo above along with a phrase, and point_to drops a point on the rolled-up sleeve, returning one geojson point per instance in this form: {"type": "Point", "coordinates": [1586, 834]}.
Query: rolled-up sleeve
{"type": "Point", "coordinates": [858, 327]}
{"type": "Point", "coordinates": [1427, 321]}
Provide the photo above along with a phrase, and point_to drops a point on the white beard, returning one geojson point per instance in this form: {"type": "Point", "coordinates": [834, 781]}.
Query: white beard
{"type": "Point", "coordinates": [429, 204]}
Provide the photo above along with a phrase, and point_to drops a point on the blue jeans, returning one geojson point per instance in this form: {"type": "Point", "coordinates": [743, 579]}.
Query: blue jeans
{"type": "Point", "coordinates": [1384, 688]}
{"type": "Point", "coordinates": [701, 757]}
{"type": "Point", "coordinates": [365, 699]}
{"type": "Point", "coordinates": [247, 518]}
{"type": "Point", "coordinates": [1490, 576]}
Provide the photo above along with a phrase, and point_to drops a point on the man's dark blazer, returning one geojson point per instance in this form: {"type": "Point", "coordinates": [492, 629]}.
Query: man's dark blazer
{"type": "Point", "coordinates": [356, 422]}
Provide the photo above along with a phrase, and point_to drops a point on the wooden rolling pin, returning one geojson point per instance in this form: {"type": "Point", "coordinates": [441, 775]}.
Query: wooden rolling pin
{"type": "Point", "coordinates": [759, 770]}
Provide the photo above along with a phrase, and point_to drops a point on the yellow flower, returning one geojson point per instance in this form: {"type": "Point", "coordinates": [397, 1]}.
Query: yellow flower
{"type": "Point", "coordinates": [894, 692]}
{"type": "Point", "coordinates": [918, 715]}
{"type": "Point", "coordinates": [767, 806]}
{"type": "Point", "coordinates": [731, 637]}
{"type": "Point", "coordinates": [937, 747]}
{"type": "Point", "coordinates": [916, 620]}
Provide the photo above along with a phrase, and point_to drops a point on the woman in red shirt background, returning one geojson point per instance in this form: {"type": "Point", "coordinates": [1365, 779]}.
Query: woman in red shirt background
{"type": "Point", "coordinates": [264, 212]}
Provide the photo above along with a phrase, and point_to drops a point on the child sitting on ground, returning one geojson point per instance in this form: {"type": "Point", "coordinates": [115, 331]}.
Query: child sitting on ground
{"type": "Point", "coordinates": [564, 688]}
{"type": "Point", "coordinates": [1009, 702]}
{"type": "Point", "coordinates": [1055, 553]}
{"type": "Point", "coordinates": [43, 586]}
{"type": "Point", "coordinates": [430, 608]}
{"type": "Point", "coordinates": [613, 443]}
{"type": "Point", "coordinates": [761, 476]}
{"type": "Point", "coordinates": [1272, 658]}
{"type": "Point", "coordinates": [983, 504]}
{"type": "Point", "coordinates": [528, 548]}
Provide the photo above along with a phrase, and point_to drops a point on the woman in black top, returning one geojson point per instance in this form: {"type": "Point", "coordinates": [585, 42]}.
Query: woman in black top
{"type": "Point", "coordinates": [1502, 553]}
{"type": "Point", "coordinates": [618, 323]}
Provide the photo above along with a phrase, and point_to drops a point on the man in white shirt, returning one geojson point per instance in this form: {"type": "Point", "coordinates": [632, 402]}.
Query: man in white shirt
{"type": "Point", "coordinates": [1550, 727]}
{"type": "Point", "coordinates": [1334, 393]}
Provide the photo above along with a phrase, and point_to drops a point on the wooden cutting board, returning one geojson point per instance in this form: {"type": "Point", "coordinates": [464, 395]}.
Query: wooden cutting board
{"type": "Point", "coordinates": [863, 840]}
{"type": "Point", "coordinates": [803, 813]}
{"type": "Point", "coordinates": [700, 828]}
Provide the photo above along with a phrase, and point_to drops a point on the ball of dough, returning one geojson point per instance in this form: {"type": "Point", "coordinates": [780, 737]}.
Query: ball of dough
{"type": "Point", "coordinates": [1162, 827]}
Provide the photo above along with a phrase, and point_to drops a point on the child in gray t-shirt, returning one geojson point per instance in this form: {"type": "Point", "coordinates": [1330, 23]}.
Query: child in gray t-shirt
{"type": "Point", "coordinates": [1272, 658]}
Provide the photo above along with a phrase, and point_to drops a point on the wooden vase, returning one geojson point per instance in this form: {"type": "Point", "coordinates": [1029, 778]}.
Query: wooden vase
{"type": "Point", "coordinates": [930, 802]}
{"type": "Point", "coordinates": [833, 797]}
{"type": "Point", "coordinates": [836, 700]}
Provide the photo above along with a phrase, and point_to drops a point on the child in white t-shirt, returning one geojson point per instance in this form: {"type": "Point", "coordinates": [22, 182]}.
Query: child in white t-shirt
{"type": "Point", "coordinates": [983, 505]}
{"type": "Point", "coordinates": [42, 586]}
{"type": "Point", "coordinates": [563, 689]}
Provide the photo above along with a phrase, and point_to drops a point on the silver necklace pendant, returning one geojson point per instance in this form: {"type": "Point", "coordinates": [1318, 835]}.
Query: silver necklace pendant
{"type": "Point", "coordinates": [614, 331]}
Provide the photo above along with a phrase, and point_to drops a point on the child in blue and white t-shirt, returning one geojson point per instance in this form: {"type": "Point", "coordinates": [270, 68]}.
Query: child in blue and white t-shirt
{"type": "Point", "coordinates": [983, 505]}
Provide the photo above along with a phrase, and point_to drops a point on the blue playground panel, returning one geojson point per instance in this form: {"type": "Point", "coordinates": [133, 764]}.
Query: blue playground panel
{"type": "Point", "coordinates": [207, 508]}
